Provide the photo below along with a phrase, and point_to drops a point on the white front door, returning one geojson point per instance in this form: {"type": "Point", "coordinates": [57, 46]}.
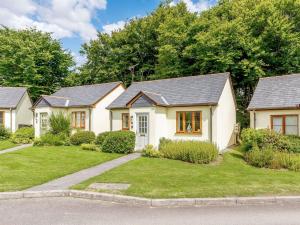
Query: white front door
{"type": "Point", "coordinates": [43, 123]}
{"type": "Point", "coordinates": [142, 130]}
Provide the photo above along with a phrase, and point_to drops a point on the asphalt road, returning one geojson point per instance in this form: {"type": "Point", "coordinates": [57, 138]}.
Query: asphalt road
{"type": "Point", "coordinates": [68, 211]}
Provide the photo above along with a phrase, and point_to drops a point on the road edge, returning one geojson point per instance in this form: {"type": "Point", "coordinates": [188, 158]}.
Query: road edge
{"type": "Point", "coordinates": [130, 200]}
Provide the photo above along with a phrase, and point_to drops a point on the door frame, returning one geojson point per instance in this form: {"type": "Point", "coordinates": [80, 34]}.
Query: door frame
{"type": "Point", "coordinates": [148, 124]}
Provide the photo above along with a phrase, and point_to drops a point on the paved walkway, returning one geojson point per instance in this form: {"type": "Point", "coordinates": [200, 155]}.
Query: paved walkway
{"type": "Point", "coordinates": [65, 182]}
{"type": "Point", "coordinates": [15, 148]}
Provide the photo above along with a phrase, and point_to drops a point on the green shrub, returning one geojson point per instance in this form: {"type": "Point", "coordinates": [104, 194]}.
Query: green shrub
{"type": "Point", "coordinates": [83, 137]}
{"type": "Point", "coordinates": [264, 137]}
{"type": "Point", "coordinates": [294, 143]}
{"type": "Point", "coordinates": [101, 138]}
{"type": "Point", "coordinates": [260, 157]}
{"type": "Point", "coordinates": [50, 139]}
{"type": "Point", "coordinates": [163, 141]}
{"type": "Point", "coordinates": [190, 151]}
{"type": "Point", "coordinates": [4, 133]}
{"type": "Point", "coordinates": [90, 147]}
{"type": "Point", "coordinates": [119, 142]}
{"type": "Point", "coordinates": [60, 123]}
{"type": "Point", "coordinates": [286, 160]}
{"type": "Point", "coordinates": [23, 135]}
{"type": "Point", "coordinates": [150, 152]}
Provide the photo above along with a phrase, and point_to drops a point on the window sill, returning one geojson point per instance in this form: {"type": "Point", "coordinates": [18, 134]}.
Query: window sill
{"type": "Point", "coordinates": [189, 134]}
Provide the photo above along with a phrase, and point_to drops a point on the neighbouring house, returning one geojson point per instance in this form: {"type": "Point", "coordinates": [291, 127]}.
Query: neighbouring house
{"type": "Point", "coordinates": [276, 104]}
{"type": "Point", "coordinates": [15, 108]}
{"type": "Point", "coordinates": [86, 105]}
{"type": "Point", "coordinates": [199, 108]}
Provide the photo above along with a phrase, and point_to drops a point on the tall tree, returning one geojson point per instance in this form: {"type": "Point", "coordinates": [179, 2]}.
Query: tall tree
{"type": "Point", "coordinates": [248, 38]}
{"type": "Point", "coordinates": [32, 59]}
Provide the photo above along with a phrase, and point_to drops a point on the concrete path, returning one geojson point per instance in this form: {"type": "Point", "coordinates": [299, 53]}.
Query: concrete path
{"type": "Point", "coordinates": [65, 182]}
{"type": "Point", "coordinates": [15, 148]}
{"type": "Point", "coordinates": [68, 211]}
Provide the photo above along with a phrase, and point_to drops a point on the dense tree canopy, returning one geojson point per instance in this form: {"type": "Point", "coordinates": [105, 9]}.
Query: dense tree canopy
{"type": "Point", "coordinates": [32, 59]}
{"type": "Point", "coordinates": [249, 38]}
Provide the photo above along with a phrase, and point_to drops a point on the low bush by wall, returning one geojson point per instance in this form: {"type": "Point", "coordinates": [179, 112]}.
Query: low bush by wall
{"type": "Point", "coordinates": [189, 151]}
{"type": "Point", "coordinates": [50, 139]}
{"type": "Point", "coordinates": [266, 148]}
{"type": "Point", "coordinates": [101, 137]}
{"type": "Point", "coordinates": [265, 137]}
{"type": "Point", "coordinates": [83, 137]}
{"type": "Point", "coordinates": [24, 135]}
{"type": "Point", "coordinates": [119, 142]}
{"type": "Point", "coordinates": [89, 147]}
{"type": "Point", "coordinates": [4, 133]}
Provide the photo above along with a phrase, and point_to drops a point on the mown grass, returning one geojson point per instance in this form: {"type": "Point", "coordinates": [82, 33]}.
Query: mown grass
{"type": "Point", "coordinates": [36, 165]}
{"type": "Point", "coordinates": [164, 178]}
{"type": "Point", "coordinates": [6, 144]}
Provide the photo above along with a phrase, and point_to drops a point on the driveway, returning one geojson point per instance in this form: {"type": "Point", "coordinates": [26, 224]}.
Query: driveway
{"type": "Point", "coordinates": [68, 211]}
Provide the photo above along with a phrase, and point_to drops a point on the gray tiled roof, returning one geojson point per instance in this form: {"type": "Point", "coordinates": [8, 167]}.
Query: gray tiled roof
{"type": "Point", "coordinates": [192, 90]}
{"type": "Point", "coordinates": [157, 98]}
{"type": "Point", "coordinates": [11, 96]}
{"type": "Point", "coordinates": [276, 92]}
{"type": "Point", "coordinates": [80, 95]}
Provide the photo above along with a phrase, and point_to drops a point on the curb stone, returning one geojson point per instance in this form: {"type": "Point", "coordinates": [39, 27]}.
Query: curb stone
{"type": "Point", "coordinates": [131, 200]}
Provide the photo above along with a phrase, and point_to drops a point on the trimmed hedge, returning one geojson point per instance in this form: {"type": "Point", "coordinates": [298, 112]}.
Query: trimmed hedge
{"type": "Point", "coordinates": [83, 137]}
{"type": "Point", "coordinates": [101, 137]}
{"type": "Point", "coordinates": [119, 142]}
{"type": "Point", "coordinates": [190, 151]}
{"type": "Point", "coordinates": [24, 135]}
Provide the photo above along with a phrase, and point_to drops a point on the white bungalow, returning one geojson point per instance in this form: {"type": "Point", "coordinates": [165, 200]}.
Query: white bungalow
{"type": "Point", "coordinates": [188, 108]}
{"type": "Point", "coordinates": [85, 104]}
{"type": "Point", "coordinates": [15, 108]}
{"type": "Point", "coordinates": [276, 104]}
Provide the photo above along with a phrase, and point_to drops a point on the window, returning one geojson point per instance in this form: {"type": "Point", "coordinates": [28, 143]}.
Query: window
{"type": "Point", "coordinates": [78, 119]}
{"type": "Point", "coordinates": [125, 121]}
{"type": "Point", "coordinates": [2, 118]}
{"type": "Point", "coordinates": [189, 122]}
{"type": "Point", "coordinates": [285, 124]}
{"type": "Point", "coordinates": [43, 123]}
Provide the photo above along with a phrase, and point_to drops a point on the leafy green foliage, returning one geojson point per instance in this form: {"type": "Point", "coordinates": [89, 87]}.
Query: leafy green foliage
{"type": "Point", "coordinates": [82, 137]}
{"type": "Point", "coordinates": [50, 139]}
{"type": "Point", "coordinates": [101, 138]}
{"type": "Point", "coordinates": [90, 147]}
{"type": "Point", "coordinates": [150, 152]}
{"type": "Point", "coordinates": [265, 137]}
{"type": "Point", "coordinates": [248, 38]}
{"type": "Point", "coordinates": [4, 133]}
{"type": "Point", "coordinates": [119, 142]}
{"type": "Point", "coordinates": [33, 59]}
{"type": "Point", "coordinates": [190, 151]}
{"type": "Point", "coordinates": [60, 124]}
{"type": "Point", "coordinates": [24, 135]}
{"type": "Point", "coordinates": [260, 157]}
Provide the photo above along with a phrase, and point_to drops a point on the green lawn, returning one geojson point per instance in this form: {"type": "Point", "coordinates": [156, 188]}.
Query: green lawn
{"type": "Point", "coordinates": [36, 165]}
{"type": "Point", "coordinates": [163, 178]}
{"type": "Point", "coordinates": [6, 144]}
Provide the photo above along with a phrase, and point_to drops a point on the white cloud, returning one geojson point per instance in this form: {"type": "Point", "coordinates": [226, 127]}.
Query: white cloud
{"type": "Point", "coordinates": [109, 28]}
{"type": "Point", "coordinates": [79, 59]}
{"type": "Point", "coordinates": [64, 18]}
{"type": "Point", "coordinates": [199, 6]}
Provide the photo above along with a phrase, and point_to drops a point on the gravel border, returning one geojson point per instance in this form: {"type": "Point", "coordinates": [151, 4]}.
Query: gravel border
{"type": "Point", "coordinates": [130, 200]}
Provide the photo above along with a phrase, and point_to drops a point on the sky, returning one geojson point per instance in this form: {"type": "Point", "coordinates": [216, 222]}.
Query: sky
{"type": "Point", "coordinates": [75, 22]}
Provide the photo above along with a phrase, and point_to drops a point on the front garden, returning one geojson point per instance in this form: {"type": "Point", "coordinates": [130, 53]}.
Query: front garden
{"type": "Point", "coordinates": [267, 163]}
{"type": "Point", "coordinates": [57, 153]}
